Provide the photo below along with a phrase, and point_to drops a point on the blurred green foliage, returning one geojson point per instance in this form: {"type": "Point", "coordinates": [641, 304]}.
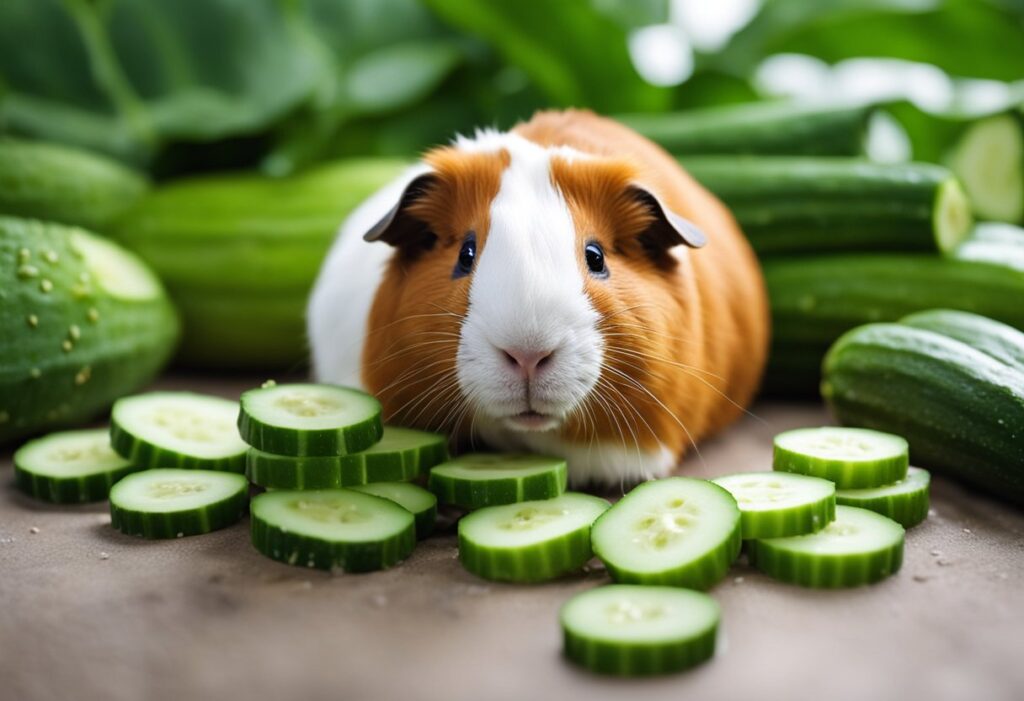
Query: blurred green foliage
{"type": "Point", "coordinates": [192, 85]}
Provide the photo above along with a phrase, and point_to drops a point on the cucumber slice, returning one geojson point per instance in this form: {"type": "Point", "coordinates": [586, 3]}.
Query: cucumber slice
{"type": "Point", "coordinates": [332, 529]}
{"type": "Point", "coordinates": [776, 504]}
{"type": "Point", "coordinates": [532, 541]}
{"type": "Point", "coordinates": [171, 503]}
{"type": "Point", "coordinates": [402, 454]}
{"type": "Point", "coordinates": [178, 429]}
{"type": "Point", "coordinates": [679, 531]}
{"type": "Point", "coordinates": [853, 458]}
{"type": "Point", "coordinates": [416, 500]}
{"type": "Point", "coordinates": [858, 547]}
{"type": "Point", "coordinates": [306, 419]}
{"type": "Point", "coordinates": [989, 159]}
{"type": "Point", "coordinates": [905, 502]}
{"type": "Point", "coordinates": [630, 630]}
{"type": "Point", "coordinates": [485, 479]}
{"type": "Point", "coordinates": [69, 467]}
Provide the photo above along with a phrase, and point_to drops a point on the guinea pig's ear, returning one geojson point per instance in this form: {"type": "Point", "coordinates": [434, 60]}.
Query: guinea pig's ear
{"type": "Point", "coordinates": [398, 227]}
{"type": "Point", "coordinates": [668, 229]}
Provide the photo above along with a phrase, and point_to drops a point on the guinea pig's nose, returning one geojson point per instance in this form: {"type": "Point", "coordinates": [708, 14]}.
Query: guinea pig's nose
{"type": "Point", "coordinates": [526, 362]}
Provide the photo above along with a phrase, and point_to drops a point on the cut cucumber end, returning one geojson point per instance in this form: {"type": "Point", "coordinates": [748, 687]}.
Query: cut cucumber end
{"type": "Point", "coordinates": [953, 219]}
{"type": "Point", "coordinates": [332, 529]}
{"type": "Point", "coordinates": [117, 271]}
{"type": "Point", "coordinates": [70, 466]}
{"type": "Point", "coordinates": [416, 500]}
{"type": "Point", "coordinates": [905, 502]}
{"type": "Point", "coordinates": [989, 160]}
{"type": "Point", "coordinates": [678, 531]}
{"type": "Point", "coordinates": [531, 541]}
{"type": "Point", "coordinates": [858, 547]}
{"type": "Point", "coordinates": [172, 503]}
{"type": "Point", "coordinates": [475, 480]}
{"type": "Point", "coordinates": [778, 504]}
{"type": "Point", "coordinates": [628, 630]}
{"type": "Point", "coordinates": [310, 419]}
{"type": "Point", "coordinates": [852, 458]}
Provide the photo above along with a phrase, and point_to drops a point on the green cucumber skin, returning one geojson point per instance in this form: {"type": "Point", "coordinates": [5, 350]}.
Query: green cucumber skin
{"type": "Point", "coordinates": [175, 525]}
{"type": "Point", "coordinates": [961, 410]}
{"type": "Point", "coordinates": [319, 442]}
{"type": "Point", "coordinates": [145, 455]}
{"type": "Point", "coordinates": [122, 344]}
{"type": "Point", "coordinates": [814, 300]}
{"type": "Point", "coordinates": [303, 551]}
{"type": "Point", "coordinates": [617, 659]}
{"type": "Point", "coordinates": [781, 525]}
{"type": "Point", "coordinates": [710, 570]}
{"type": "Point", "coordinates": [791, 205]}
{"type": "Point", "coordinates": [908, 510]}
{"type": "Point", "coordinates": [760, 128]}
{"type": "Point", "coordinates": [996, 340]}
{"type": "Point", "coordinates": [66, 185]}
{"type": "Point", "coordinates": [69, 490]}
{"type": "Point", "coordinates": [845, 475]}
{"type": "Point", "coordinates": [825, 572]}
{"type": "Point", "coordinates": [475, 494]}
{"type": "Point", "coordinates": [531, 564]}
{"type": "Point", "coordinates": [426, 522]}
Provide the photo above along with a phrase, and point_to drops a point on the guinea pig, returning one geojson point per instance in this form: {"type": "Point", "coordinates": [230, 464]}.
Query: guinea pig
{"type": "Point", "coordinates": [562, 288]}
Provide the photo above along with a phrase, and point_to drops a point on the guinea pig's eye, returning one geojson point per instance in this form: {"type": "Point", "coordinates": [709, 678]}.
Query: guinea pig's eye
{"type": "Point", "coordinates": [467, 256]}
{"type": "Point", "coordinates": [595, 259]}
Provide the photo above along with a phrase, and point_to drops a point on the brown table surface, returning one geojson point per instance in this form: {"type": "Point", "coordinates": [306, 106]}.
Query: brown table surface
{"type": "Point", "coordinates": [87, 613]}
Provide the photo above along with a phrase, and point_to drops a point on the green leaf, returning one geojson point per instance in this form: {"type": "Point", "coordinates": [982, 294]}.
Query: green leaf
{"type": "Point", "coordinates": [575, 54]}
{"type": "Point", "coordinates": [397, 76]}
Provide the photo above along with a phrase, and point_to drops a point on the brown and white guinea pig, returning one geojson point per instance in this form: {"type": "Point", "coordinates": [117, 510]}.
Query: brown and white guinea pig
{"type": "Point", "coordinates": [563, 288]}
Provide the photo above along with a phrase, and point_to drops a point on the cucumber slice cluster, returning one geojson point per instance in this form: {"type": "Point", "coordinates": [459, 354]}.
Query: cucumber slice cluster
{"type": "Point", "coordinates": [332, 529]}
{"type": "Point", "coordinates": [858, 547]}
{"type": "Point", "coordinates": [172, 503]}
{"type": "Point", "coordinates": [178, 429]}
{"type": "Point", "coordinates": [475, 480]}
{"type": "Point", "coordinates": [853, 458]}
{"type": "Point", "coordinates": [416, 500]}
{"type": "Point", "coordinates": [531, 541]}
{"type": "Point", "coordinates": [309, 419]}
{"type": "Point", "coordinates": [905, 502]}
{"type": "Point", "coordinates": [629, 630]}
{"type": "Point", "coordinates": [776, 504]}
{"type": "Point", "coordinates": [70, 466]}
{"type": "Point", "coordinates": [679, 531]}
{"type": "Point", "coordinates": [402, 454]}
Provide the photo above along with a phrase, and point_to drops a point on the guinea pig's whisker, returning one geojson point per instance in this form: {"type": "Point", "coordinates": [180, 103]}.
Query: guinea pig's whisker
{"type": "Point", "coordinates": [403, 412]}
{"type": "Point", "coordinates": [661, 359]}
{"type": "Point", "coordinates": [409, 349]}
{"type": "Point", "coordinates": [409, 374]}
{"type": "Point", "coordinates": [437, 402]}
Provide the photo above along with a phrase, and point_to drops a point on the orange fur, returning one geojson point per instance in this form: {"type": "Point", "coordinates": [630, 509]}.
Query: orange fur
{"type": "Point", "coordinates": [685, 342]}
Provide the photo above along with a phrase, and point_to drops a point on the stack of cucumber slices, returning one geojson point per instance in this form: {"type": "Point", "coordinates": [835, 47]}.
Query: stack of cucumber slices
{"type": "Point", "coordinates": [338, 493]}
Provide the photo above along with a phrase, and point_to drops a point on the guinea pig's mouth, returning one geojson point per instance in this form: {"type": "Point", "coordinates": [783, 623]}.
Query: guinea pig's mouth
{"type": "Point", "coordinates": [532, 421]}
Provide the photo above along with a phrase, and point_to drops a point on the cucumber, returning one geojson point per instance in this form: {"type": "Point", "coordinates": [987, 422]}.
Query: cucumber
{"type": "Point", "coordinates": [332, 529]}
{"type": "Point", "coordinates": [63, 184]}
{"type": "Point", "coordinates": [776, 504]}
{"type": "Point", "coordinates": [180, 429]}
{"type": "Point", "coordinates": [788, 205]}
{"type": "Point", "coordinates": [960, 409]}
{"type": "Point", "coordinates": [309, 419]}
{"type": "Point", "coordinates": [69, 467]}
{"type": "Point", "coordinates": [905, 502]}
{"type": "Point", "coordinates": [172, 503]}
{"type": "Point", "coordinates": [679, 531]}
{"type": "Point", "coordinates": [858, 547]}
{"type": "Point", "coordinates": [402, 454]}
{"type": "Point", "coordinates": [764, 128]}
{"type": "Point", "coordinates": [240, 253]}
{"type": "Point", "coordinates": [416, 500]}
{"type": "Point", "coordinates": [995, 340]}
{"type": "Point", "coordinates": [532, 541]}
{"type": "Point", "coordinates": [852, 458]}
{"type": "Point", "coordinates": [483, 479]}
{"type": "Point", "coordinates": [989, 160]}
{"type": "Point", "coordinates": [628, 630]}
{"type": "Point", "coordinates": [814, 300]}
{"type": "Point", "coordinates": [82, 322]}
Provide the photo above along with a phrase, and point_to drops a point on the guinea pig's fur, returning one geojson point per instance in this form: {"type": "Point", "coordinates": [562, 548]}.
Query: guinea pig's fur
{"type": "Point", "coordinates": [620, 371]}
